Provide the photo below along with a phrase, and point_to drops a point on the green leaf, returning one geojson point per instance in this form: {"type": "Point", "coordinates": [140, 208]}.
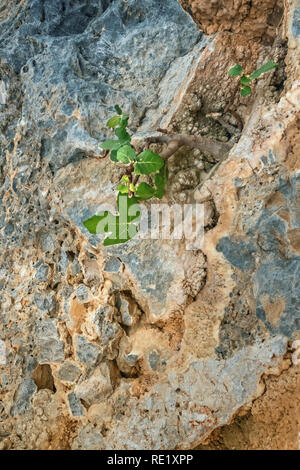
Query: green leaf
{"type": "Point", "coordinates": [92, 223]}
{"type": "Point", "coordinates": [120, 228]}
{"type": "Point", "coordinates": [118, 109]}
{"type": "Point", "coordinates": [148, 162]}
{"type": "Point", "coordinates": [125, 178]}
{"type": "Point", "coordinates": [114, 155]}
{"type": "Point", "coordinates": [122, 134]}
{"type": "Point", "coordinates": [126, 154]}
{"type": "Point", "coordinates": [235, 71]}
{"type": "Point", "coordinates": [245, 80]}
{"type": "Point", "coordinates": [265, 68]}
{"type": "Point", "coordinates": [123, 188]}
{"type": "Point", "coordinates": [132, 188]}
{"type": "Point", "coordinates": [113, 122]}
{"type": "Point", "coordinates": [246, 90]}
{"type": "Point", "coordinates": [145, 191]}
{"type": "Point", "coordinates": [123, 223]}
{"type": "Point", "coordinates": [110, 144]}
{"type": "Point", "coordinates": [160, 180]}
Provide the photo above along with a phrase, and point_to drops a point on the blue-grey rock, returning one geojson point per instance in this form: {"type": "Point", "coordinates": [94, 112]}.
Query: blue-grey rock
{"type": "Point", "coordinates": [96, 387]}
{"type": "Point", "coordinates": [68, 372]}
{"type": "Point", "coordinates": [296, 23]}
{"type": "Point", "coordinates": [46, 303]}
{"type": "Point", "coordinates": [238, 252]}
{"type": "Point", "coordinates": [87, 352]}
{"type": "Point", "coordinates": [153, 359]}
{"type": "Point", "coordinates": [75, 405]}
{"type": "Point", "coordinates": [112, 265]}
{"type": "Point", "coordinates": [63, 263]}
{"type": "Point", "coordinates": [42, 273]}
{"type": "Point", "coordinates": [136, 255]}
{"type": "Point", "coordinates": [128, 309]}
{"type": "Point", "coordinates": [279, 280]}
{"type": "Point", "coordinates": [87, 57]}
{"type": "Point", "coordinates": [22, 398]}
{"type": "Point", "coordinates": [272, 237]}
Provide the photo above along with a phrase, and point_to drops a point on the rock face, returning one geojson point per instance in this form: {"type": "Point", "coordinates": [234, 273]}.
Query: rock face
{"type": "Point", "coordinates": [254, 19]}
{"type": "Point", "coordinates": [271, 422]}
{"type": "Point", "coordinates": [78, 59]}
{"type": "Point", "coordinates": [145, 345]}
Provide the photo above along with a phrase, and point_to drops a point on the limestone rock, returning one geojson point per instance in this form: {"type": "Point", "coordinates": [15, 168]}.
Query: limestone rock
{"type": "Point", "coordinates": [146, 345]}
{"type": "Point", "coordinates": [75, 405]}
{"type": "Point", "coordinates": [50, 347]}
{"type": "Point", "coordinates": [96, 387]}
{"type": "Point", "coordinates": [87, 352]}
{"type": "Point", "coordinates": [22, 397]}
{"type": "Point", "coordinates": [68, 372]}
{"type": "Point", "coordinates": [253, 19]}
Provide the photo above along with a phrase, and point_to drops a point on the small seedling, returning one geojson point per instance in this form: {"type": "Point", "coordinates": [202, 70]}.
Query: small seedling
{"type": "Point", "coordinates": [245, 80]}
{"type": "Point", "coordinates": [145, 163]}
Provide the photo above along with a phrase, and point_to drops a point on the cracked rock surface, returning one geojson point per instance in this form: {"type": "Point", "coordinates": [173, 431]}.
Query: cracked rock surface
{"type": "Point", "coordinates": [145, 345]}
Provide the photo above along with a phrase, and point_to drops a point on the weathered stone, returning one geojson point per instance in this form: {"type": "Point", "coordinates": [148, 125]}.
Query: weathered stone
{"type": "Point", "coordinates": [75, 405]}
{"type": "Point", "coordinates": [2, 353]}
{"type": "Point", "coordinates": [151, 345]}
{"type": "Point", "coordinates": [178, 400]}
{"type": "Point", "coordinates": [253, 20]}
{"type": "Point", "coordinates": [108, 330]}
{"type": "Point", "coordinates": [87, 352]}
{"type": "Point", "coordinates": [46, 303]}
{"type": "Point", "coordinates": [42, 273]}
{"type": "Point", "coordinates": [83, 294]}
{"type": "Point", "coordinates": [75, 267]}
{"type": "Point", "coordinates": [65, 42]}
{"type": "Point", "coordinates": [96, 387]}
{"type": "Point", "coordinates": [296, 23]}
{"type": "Point", "coordinates": [22, 398]}
{"type": "Point", "coordinates": [112, 265]}
{"type": "Point", "coordinates": [153, 359]}
{"type": "Point", "coordinates": [129, 310]}
{"type": "Point", "coordinates": [63, 263]}
{"type": "Point", "coordinates": [47, 242]}
{"type": "Point", "coordinates": [68, 372]}
{"type": "Point", "coordinates": [239, 253]}
{"type": "Point", "coordinates": [131, 359]}
{"type": "Point", "coordinates": [50, 347]}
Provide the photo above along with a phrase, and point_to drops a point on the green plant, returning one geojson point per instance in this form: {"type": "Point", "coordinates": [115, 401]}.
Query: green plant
{"type": "Point", "coordinates": [245, 80]}
{"type": "Point", "coordinates": [123, 227]}
{"type": "Point", "coordinates": [145, 163]}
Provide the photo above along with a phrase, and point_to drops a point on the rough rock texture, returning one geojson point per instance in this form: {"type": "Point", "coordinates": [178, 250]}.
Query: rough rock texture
{"type": "Point", "coordinates": [270, 424]}
{"type": "Point", "coordinates": [255, 19]}
{"type": "Point", "coordinates": [145, 345]}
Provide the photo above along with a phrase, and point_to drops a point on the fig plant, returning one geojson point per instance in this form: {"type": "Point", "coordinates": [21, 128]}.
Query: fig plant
{"type": "Point", "coordinates": [245, 80]}
{"type": "Point", "coordinates": [129, 191]}
{"type": "Point", "coordinates": [121, 228]}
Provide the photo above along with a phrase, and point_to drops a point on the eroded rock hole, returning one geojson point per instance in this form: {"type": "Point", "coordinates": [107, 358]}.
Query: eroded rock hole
{"type": "Point", "coordinates": [43, 378]}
